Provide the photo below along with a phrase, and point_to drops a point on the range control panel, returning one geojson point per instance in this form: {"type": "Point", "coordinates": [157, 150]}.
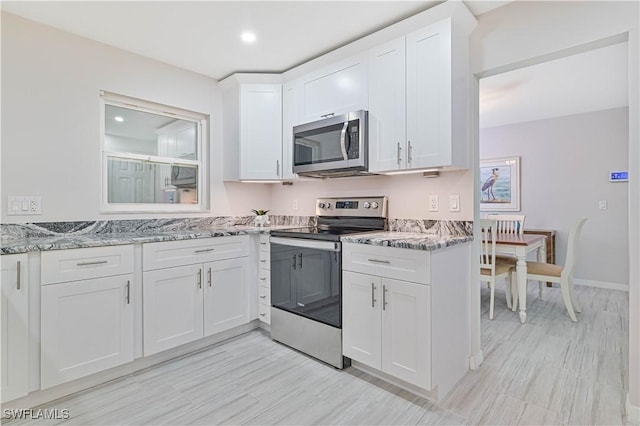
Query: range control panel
{"type": "Point", "coordinates": [355, 206]}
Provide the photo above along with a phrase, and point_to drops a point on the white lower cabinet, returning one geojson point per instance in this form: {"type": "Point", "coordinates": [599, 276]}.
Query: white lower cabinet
{"type": "Point", "coordinates": [225, 295]}
{"type": "Point", "coordinates": [205, 295]}
{"type": "Point", "coordinates": [386, 325]}
{"type": "Point", "coordinates": [172, 301]}
{"type": "Point", "coordinates": [405, 313]}
{"type": "Point", "coordinates": [87, 324]}
{"type": "Point", "coordinates": [14, 314]}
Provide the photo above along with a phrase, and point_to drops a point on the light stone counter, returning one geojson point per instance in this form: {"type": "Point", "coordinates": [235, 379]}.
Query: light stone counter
{"type": "Point", "coordinates": [409, 240]}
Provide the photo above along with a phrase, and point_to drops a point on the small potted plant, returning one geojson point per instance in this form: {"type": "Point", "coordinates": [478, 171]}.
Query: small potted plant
{"type": "Point", "coordinates": [262, 218]}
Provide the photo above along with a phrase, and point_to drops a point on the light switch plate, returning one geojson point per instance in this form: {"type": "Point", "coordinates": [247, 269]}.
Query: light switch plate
{"type": "Point", "coordinates": [454, 203]}
{"type": "Point", "coordinates": [602, 204]}
{"type": "Point", "coordinates": [433, 203]}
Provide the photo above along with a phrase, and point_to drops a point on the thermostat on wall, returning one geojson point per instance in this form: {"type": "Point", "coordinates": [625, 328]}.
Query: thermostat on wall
{"type": "Point", "coordinates": [618, 176]}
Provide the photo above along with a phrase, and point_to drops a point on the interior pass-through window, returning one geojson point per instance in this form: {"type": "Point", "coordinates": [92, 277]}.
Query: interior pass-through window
{"type": "Point", "coordinates": [152, 156]}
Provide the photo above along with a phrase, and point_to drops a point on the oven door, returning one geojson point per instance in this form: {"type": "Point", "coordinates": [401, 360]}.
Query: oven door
{"type": "Point", "coordinates": [306, 278]}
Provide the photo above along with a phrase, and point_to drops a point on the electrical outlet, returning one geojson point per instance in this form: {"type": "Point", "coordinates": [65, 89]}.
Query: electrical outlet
{"type": "Point", "coordinates": [454, 203]}
{"type": "Point", "coordinates": [35, 205]}
{"type": "Point", "coordinates": [433, 203]}
{"type": "Point", "coordinates": [602, 204]}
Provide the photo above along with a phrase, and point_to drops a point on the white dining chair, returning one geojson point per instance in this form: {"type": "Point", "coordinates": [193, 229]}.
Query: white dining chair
{"type": "Point", "coordinates": [490, 268]}
{"type": "Point", "coordinates": [559, 274]}
{"type": "Point", "coordinates": [509, 223]}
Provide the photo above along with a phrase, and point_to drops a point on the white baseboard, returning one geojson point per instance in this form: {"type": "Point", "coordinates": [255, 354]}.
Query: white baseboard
{"type": "Point", "coordinates": [633, 412]}
{"type": "Point", "coordinates": [601, 284]}
{"type": "Point", "coordinates": [476, 360]}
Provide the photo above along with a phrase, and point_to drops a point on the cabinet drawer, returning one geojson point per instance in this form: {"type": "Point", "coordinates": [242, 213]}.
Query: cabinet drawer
{"type": "Point", "coordinates": [178, 253]}
{"type": "Point", "coordinates": [264, 259]}
{"type": "Point", "coordinates": [263, 242]}
{"type": "Point", "coordinates": [265, 295]}
{"type": "Point", "coordinates": [81, 264]}
{"type": "Point", "coordinates": [387, 262]}
{"type": "Point", "coordinates": [264, 278]}
{"type": "Point", "coordinates": [264, 313]}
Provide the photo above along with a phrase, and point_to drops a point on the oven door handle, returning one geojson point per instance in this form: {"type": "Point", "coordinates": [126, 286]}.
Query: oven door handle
{"type": "Point", "coordinates": [304, 243]}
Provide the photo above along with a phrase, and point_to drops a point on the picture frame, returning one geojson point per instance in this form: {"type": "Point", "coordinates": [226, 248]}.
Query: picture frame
{"type": "Point", "coordinates": [500, 184]}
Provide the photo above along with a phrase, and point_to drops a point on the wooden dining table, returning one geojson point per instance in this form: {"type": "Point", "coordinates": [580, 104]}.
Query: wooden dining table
{"type": "Point", "coordinates": [520, 246]}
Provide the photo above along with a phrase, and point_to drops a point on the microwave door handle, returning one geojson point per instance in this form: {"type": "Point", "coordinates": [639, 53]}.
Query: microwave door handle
{"type": "Point", "coordinates": [343, 137]}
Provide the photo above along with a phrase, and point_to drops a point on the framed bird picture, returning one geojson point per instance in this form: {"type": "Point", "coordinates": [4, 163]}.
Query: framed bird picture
{"type": "Point", "coordinates": [500, 184]}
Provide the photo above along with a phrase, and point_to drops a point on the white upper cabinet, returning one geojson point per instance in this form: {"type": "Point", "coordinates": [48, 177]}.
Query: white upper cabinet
{"type": "Point", "coordinates": [419, 100]}
{"type": "Point", "coordinates": [387, 107]}
{"type": "Point", "coordinates": [252, 130]}
{"type": "Point", "coordinates": [290, 117]}
{"type": "Point", "coordinates": [335, 89]}
{"type": "Point", "coordinates": [429, 141]}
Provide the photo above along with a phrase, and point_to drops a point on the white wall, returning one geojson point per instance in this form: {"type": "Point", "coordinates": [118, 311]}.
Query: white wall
{"type": "Point", "coordinates": [564, 169]}
{"type": "Point", "coordinates": [51, 120]}
{"type": "Point", "coordinates": [408, 194]}
{"type": "Point", "coordinates": [523, 30]}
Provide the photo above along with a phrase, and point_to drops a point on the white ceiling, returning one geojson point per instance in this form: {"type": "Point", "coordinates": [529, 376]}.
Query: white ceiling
{"type": "Point", "coordinates": [585, 82]}
{"type": "Point", "coordinates": [204, 37]}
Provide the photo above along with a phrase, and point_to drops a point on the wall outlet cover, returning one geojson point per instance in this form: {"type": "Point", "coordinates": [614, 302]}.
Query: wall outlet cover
{"type": "Point", "coordinates": [433, 203]}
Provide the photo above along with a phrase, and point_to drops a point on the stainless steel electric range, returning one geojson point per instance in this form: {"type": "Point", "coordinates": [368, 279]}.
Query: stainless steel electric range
{"type": "Point", "coordinates": [306, 275]}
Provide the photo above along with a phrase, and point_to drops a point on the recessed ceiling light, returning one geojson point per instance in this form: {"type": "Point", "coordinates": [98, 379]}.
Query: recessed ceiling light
{"type": "Point", "coordinates": [118, 119]}
{"type": "Point", "coordinates": [248, 37]}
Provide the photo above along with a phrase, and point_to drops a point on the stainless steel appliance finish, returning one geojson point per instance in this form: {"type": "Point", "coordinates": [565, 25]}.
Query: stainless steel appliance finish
{"type": "Point", "coordinates": [333, 147]}
{"type": "Point", "coordinates": [306, 275]}
{"type": "Point", "coordinates": [308, 336]}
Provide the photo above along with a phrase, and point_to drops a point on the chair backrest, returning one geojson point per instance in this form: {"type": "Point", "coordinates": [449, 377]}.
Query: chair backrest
{"type": "Point", "coordinates": [572, 246]}
{"type": "Point", "coordinates": [509, 223]}
{"type": "Point", "coordinates": [488, 236]}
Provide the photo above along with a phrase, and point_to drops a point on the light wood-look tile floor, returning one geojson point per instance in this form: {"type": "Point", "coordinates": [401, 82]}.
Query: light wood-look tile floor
{"type": "Point", "coordinates": [547, 371]}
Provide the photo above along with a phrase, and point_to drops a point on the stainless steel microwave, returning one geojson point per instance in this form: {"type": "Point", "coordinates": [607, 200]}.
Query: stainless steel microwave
{"type": "Point", "coordinates": [333, 147]}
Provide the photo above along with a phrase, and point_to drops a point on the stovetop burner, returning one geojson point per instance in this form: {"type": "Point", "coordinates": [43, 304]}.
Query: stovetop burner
{"type": "Point", "coordinates": [342, 216]}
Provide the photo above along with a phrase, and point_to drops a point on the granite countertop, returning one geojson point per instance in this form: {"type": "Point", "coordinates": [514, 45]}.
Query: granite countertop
{"type": "Point", "coordinates": [409, 240]}
{"type": "Point", "coordinates": [13, 245]}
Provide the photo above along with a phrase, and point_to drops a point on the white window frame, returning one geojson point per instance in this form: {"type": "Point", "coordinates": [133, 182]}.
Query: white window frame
{"type": "Point", "coordinates": [108, 98]}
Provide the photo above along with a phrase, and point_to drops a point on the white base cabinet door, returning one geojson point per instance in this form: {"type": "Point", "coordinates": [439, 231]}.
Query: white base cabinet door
{"type": "Point", "coordinates": [406, 331]}
{"type": "Point", "coordinates": [87, 326]}
{"type": "Point", "coordinates": [173, 307]}
{"type": "Point", "coordinates": [14, 314]}
{"type": "Point", "coordinates": [386, 325]}
{"type": "Point", "coordinates": [361, 320]}
{"type": "Point", "coordinates": [225, 295]}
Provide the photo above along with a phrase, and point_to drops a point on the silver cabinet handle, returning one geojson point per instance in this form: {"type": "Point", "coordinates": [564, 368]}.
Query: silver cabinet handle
{"type": "Point", "coordinates": [209, 276]}
{"type": "Point", "coordinates": [331, 114]}
{"type": "Point", "coordinates": [263, 297]}
{"type": "Point", "coordinates": [410, 153]}
{"type": "Point", "coordinates": [300, 263]}
{"type": "Point", "coordinates": [379, 261]}
{"type": "Point", "coordinates": [384, 297]}
{"type": "Point", "coordinates": [294, 261]}
{"type": "Point", "coordinates": [96, 262]}
{"type": "Point", "coordinates": [128, 292]}
{"type": "Point", "coordinates": [263, 315]}
{"type": "Point", "coordinates": [204, 250]}
{"type": "Point", "coordinates": [399, 151]}
{"type": "Point", "coordinates": [263, 279]}
{"type": "Point", "coordinates": [18, 279]}
{"type": "Point", "coordinates": [263, 260]}
{"type": "Point", "coordinates": [199, 278]}
{"type": "Point", "coordinates": [373, 295]}
{"type": "Point", "coordinates": [263, 244]}
{"type": "Point", "coordinates": [277, 167]}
